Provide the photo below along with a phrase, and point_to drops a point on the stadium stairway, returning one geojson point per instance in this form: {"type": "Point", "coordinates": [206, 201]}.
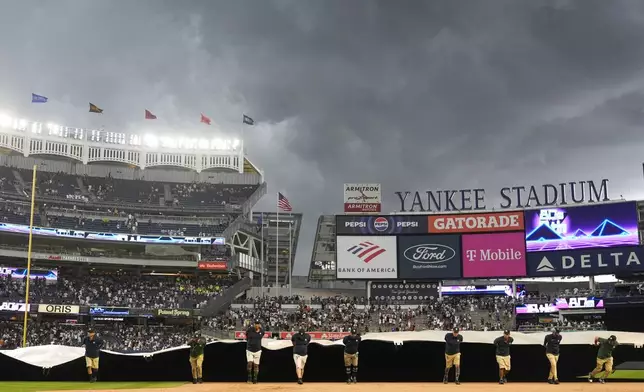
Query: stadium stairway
{"type": "Point", "coordinates": [221, 302]}
{"type": "Point", "coordinates": [19, 183]}
{"type": "Point", "coordinates": [83, 189]}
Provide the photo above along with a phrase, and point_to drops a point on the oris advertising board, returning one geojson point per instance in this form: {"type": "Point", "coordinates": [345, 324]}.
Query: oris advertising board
{"type": "Point", "coordinates": [432, 257]}
{"type": "Point", "coordinates": [380, 224]}
{"type": "Point", "coordinates": [59, 309]}
{"type": "Point", "coordinates": [586, 262]}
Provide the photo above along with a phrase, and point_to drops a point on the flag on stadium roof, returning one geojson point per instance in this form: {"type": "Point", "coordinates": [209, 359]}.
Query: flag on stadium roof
{"type": "Point", "coordinates": [94, 109]}
{"type": "Point", "coordinates": [149, 115]}
{"type": "Point", "coordinates": [35, 98]}
{"type": "Point", "coordinates": [247, 120]}
{"type": "Point", "coordinates": [283, 204]}
{"type": "Point", "coordinates": [205, 120]}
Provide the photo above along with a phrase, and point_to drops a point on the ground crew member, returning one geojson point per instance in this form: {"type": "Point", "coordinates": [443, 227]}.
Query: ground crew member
{"type": "Point", "coordinates": [453, 354]}
{"type": "Point", "coordinates": [351, 345]}
{"type": "Point", "coordinates": [552, 342]}
{"type": "Point", "coordinates": [197, 346]}
{"type": "Point", "coordinates": [93, 345]}
{"type": "Point", "coordinates": [503, 344]}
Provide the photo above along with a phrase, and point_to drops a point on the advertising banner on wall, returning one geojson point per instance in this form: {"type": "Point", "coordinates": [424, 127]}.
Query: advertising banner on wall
{"type": "Point", "coordinates": [366, 257]}
{"type": "Point", "coordinates": [561, 304]}
{"type": "Point", "coordinates": [242, 335]}
{"type": "Point", "coordinates": [585, 262]}
{"type": "Point", "coordinates": [380, 224]}
{"type": "Point", "coordinates": [431, 257]}
{"type": "Point", "coordinates": [362, 198]}
{"type": "Point", "coordinates": [494, 255]}
{"type": "Point", "coordinates": [591, 226]}
{"type": "Point", "coordinates": [476, 223]}
{"type": "Point", "coordinates": [109, 311]}
{"type": "Point", "coordinates": [213, 265]}
{"type": "Point", "coordinates": [317, 335]}
{"type": "Point", "coordinates": [174, 312]}
{"type": "Point", "coordinates": [405, 293]}
{"type": "Point", "coordinates": [59, 309]}
{"type": "Point", "coordinates": [12, 307]}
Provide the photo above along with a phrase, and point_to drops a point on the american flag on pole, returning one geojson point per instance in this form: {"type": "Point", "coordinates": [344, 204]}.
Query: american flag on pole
{"type": "Point", "coordinates": [283, 204]}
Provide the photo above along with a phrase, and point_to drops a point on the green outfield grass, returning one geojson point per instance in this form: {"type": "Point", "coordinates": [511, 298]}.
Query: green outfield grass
{"type": "Point", "coordinates": [624, 375]}
{"type": "Point", "coordinates": [27, 386]}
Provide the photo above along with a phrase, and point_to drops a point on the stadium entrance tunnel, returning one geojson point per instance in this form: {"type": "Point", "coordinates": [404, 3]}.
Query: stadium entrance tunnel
{"type": "Point", "coordinates": [380, 361]}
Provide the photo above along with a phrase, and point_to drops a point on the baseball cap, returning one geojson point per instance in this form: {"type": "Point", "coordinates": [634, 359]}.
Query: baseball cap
{"type": "Point", "coordinates": [612, 337]}
{"type": "Point", "coordinates": [456, 330]}
{"type": "Point", "coordinates": [354, 331]}
{"type": "Point", "coordinates": [506, 332]}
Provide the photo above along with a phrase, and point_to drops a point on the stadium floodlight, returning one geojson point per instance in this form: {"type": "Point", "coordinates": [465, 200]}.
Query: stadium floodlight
{"type": "Point", "coordinates": [150, 141]}
{"type": "Point", "coordinates": [186, 143]}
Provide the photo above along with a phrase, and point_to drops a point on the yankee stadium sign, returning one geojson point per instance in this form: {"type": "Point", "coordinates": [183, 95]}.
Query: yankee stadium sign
{"type": "Point", "coordinates": [512, 197]}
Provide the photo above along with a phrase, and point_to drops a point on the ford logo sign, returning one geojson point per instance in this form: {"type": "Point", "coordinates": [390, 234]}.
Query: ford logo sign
{"type": "Point", "coordinates": [429, 253]}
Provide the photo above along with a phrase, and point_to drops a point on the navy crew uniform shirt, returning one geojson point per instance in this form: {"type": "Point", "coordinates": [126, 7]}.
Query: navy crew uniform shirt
{"type": "Point", "coordinates": [453, 344]}
{"type": "Point", "coordinates": [351, 343]}
{"type": "Point", "coordinates": [503, 346]}
{"type": "Point", "coordinates": [552, 343]}
{"type": "Point", "coordinates": [301, 343]}
{"type": "Point", "coordinates": [254, 339]}
{"type": "Point", "coordinates": [92, 346]}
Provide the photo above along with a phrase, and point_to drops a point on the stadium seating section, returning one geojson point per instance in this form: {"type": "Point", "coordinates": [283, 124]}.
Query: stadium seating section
{"type": "Point", "coordinates": [85, 209]}
{"type": "Point", "coordinates": [130, 192]}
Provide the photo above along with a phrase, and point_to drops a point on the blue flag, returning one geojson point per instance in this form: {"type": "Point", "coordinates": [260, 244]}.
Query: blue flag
{"type": "Point", "coordinates": [260, 219]}
{"type": "Point", "coordinates": [35, 98]}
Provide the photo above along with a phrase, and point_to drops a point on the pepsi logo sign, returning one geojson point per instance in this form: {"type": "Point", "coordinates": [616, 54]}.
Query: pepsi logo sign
{"type": "Point", "coordinates": [429, 253]}
{"type": "Point", "coordinates": [381, 224]}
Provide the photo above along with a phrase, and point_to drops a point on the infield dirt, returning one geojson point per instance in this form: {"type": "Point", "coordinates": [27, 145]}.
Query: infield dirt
{"type": "Point", "coordinates": [398, 387]}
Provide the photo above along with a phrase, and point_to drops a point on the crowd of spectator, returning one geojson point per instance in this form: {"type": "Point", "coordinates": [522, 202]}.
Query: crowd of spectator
{"type": "Point", "coordinates": [340, 313]}
{"type": "Point", "coordinates": [118, 289]}
{"type": "Point", "coordinates": [118, 337]}
{"type": "Point", "coordinates": [287, 313]}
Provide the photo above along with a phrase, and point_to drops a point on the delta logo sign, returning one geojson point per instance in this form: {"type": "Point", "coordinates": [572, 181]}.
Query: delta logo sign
{"type": "Point", "coordinates": [595, 226]}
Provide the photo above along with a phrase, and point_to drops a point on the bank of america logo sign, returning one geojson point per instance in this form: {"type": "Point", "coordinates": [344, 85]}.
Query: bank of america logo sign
{"type": "Point", "coordinates": [545, 265]}
{"type": "Point", "coordinates": [366, 251]}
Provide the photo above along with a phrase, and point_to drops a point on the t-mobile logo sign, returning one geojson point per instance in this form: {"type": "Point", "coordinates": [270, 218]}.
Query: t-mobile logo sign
{"type": "Point", "coordinates": [493, 254]}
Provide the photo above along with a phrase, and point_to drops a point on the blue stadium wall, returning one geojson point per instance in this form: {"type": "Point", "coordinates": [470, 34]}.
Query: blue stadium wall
{"type": "Point", "coordinates": [379, 361]}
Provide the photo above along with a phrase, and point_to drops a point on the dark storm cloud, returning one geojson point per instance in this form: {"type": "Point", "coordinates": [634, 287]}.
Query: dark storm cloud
{"type": "Point", "coordinates": [411, 94]}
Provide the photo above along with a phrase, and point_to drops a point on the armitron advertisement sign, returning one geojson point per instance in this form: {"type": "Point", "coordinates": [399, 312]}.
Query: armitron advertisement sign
{"type": "Point", "coordinates": [59, 309]}
{"type": "Point", "coordinates": [476, 223]}
{"type": "Point", "coordinates": [362, 198]}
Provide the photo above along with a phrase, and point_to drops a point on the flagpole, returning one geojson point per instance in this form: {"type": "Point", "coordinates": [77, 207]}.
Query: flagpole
{"type": "Point", "coordinates": [261, 257]}
{"type": "Point", "coordinates": [277, 247]}
{"type": "Point", "coordinates": [31, 227]}
{"type": "Point", "coordinates": [290, 257]}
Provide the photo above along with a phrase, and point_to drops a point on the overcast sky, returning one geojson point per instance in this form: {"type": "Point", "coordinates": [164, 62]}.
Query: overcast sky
{"type": "Point", "coordinates": [410, 94]}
